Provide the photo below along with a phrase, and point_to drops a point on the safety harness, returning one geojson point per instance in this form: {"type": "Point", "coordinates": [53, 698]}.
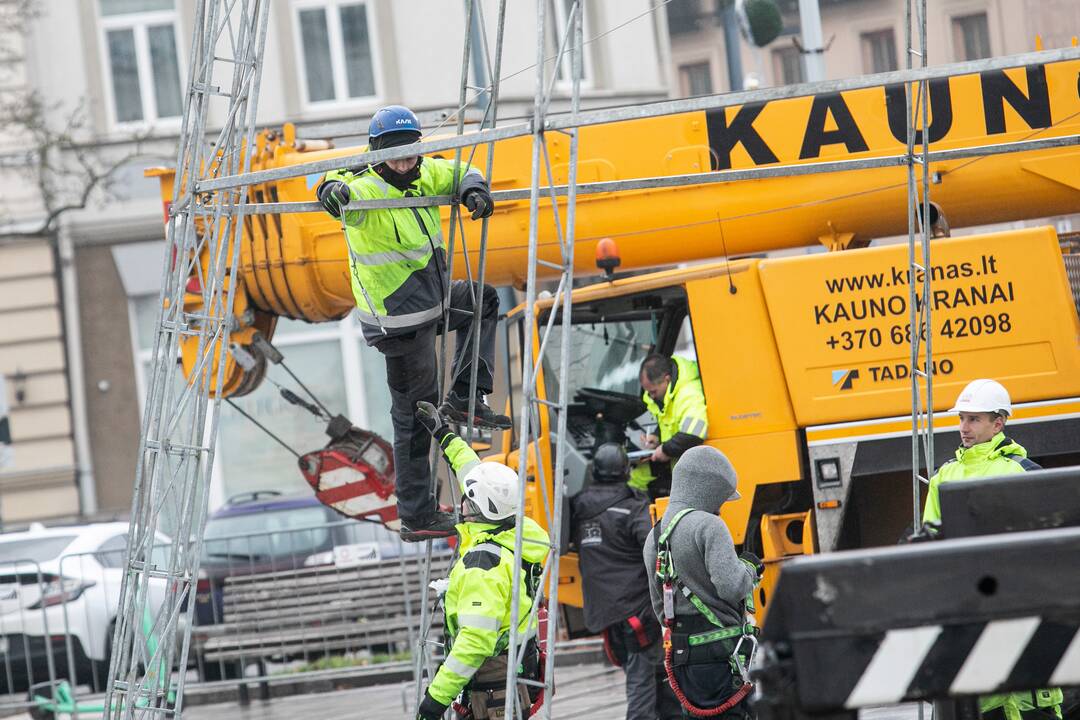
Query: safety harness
{"type": "Point", "coordinates": [717, 632]}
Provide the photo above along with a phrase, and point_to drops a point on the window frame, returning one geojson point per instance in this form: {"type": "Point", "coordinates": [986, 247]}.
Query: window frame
{"type": "Point", "coordinates": [778, 53]}
{"type": "Point", "coordinates": [866, 41]}
{"type": "Point", "coordinates": [956, 33]}
{"type": "Point", "coordinates": [684, 69]}
{"type": "Point", "coordinates": [337, 55]}
{"type": "Point", "coordinates": [558, 25]}
{"type": "Point", "coordinates": [139, 23]}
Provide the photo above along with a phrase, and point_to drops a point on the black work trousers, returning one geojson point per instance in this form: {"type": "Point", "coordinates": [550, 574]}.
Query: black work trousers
{"type": "Point", "coordinates": [411, 374]}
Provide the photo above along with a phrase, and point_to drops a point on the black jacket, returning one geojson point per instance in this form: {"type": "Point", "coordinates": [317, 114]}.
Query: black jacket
{"type": "Point", "coordinates": [610, 524]}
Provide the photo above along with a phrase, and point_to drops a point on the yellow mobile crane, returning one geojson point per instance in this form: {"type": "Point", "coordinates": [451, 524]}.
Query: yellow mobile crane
{"type": "Point", "coordinates": [804, 359]}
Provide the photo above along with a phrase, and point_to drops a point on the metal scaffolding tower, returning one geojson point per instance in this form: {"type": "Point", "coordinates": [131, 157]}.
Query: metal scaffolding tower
{"type": "Point", "coordinates": [179, 427]}
{"type": "Point", "coordinates": [176, 448]}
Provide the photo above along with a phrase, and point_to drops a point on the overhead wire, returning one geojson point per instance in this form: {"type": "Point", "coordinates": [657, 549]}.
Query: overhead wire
{"type": "Point", "coordinates": [461, 108]}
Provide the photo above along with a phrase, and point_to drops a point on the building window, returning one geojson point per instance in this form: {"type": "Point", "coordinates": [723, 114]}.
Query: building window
{"type": "Point", "coordinates": [143, 65]}
{"type": "Point", "coordinates": [879, 51]}
{"type": "Point", "coordinates": [971, 37]}
{"type": "Point", "coordinates": [696, 79]}
{"type": "Point", "coordinates": [558, 13]}
{"type": "Point", "coordinates": [788, 66]}
{"type": "Point", "coordinates": [684, 16]}
{"type": "Point", "coordinates": [335, 43]}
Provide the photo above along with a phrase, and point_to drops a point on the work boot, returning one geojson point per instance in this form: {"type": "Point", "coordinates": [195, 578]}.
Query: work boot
{"type": "Point", "coordinates": [439, 524]}
{"type": "Point", "coordinates": [456, 409]}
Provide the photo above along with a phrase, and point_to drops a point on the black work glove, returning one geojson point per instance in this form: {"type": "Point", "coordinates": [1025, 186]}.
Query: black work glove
{"type": "Point", "coordinates": [927, 532]}
{"type": "Point", "coordinates": [429, 416]}
{"type": "Point", "coordinates": [754, 562]}
{"type": "Point", "coordinates": [479, 202]}
{"type": "Point", "coordinates": [430, 708]}
{"type": "Point", "coordinates": [333, 195]}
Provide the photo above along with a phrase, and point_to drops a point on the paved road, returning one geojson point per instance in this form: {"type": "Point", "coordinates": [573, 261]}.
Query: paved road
{"type": "Point", "coordinates": [585, 692]}
{"type": "Point", "coordinates": [588, 692]}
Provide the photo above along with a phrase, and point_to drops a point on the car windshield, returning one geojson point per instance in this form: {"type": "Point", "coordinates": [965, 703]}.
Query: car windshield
{"type": "Point", "coordinates": [34, 549]}
{"type": "Point", "coordinates": [277, 534]}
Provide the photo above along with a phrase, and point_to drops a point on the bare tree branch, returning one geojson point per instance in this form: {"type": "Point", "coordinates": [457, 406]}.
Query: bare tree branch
{"type": "Point", "coordinates": [60, 155]}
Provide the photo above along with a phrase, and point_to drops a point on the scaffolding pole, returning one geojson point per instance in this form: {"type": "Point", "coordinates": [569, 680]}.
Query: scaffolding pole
{"type": "Point", "coordinates": [176, 447]}
{"type": "Point", "coordinates": [532, 405]}
{"type": "Point", "coordinates": [477, 53]}
{"type": "Point", "coordinates": [919, 287]}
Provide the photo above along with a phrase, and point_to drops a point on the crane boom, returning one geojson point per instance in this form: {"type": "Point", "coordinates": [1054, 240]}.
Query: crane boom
{"type": "Point", "coordinates": [294, 265]}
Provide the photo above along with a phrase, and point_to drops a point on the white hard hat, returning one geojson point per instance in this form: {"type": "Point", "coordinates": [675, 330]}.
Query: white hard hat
{"type": "Point", "coordinates": [493, 487]}
{"type": "Point", "coordinates": [984, 395]}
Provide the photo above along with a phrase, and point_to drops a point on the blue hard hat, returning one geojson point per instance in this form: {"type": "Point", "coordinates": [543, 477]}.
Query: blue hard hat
{"type": "Point", "coordinates": [394, 119]}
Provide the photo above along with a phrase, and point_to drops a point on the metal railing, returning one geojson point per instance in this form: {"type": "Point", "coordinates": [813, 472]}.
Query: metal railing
{"type": "Point", "coordinates": [340, 597]}
{"type": "Point", "coordinates": [56, 620]}
{"type": "Point", "coordinates": [281, 603]}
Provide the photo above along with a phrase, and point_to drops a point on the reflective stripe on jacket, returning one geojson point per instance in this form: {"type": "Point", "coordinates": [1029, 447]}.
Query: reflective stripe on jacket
{"type": "Point", "coordinates": [684, 404]}
{"type": "Point", "coordinates": [397, 258]}
{"type": "Point", "coordinates": [477, 603]}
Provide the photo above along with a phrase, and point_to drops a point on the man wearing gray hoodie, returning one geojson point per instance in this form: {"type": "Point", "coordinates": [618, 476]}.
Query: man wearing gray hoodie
{"type": "Point", "coordinates": [699, 590]}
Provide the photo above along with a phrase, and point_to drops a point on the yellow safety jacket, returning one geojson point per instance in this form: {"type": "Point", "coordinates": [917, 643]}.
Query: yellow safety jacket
{"type": "Point", "coordinates": [997, 456]}
{"type": "Point", "coordinates": [478, 600]}
{"type": "Point", "coordinates": [397, 258]}
{"type": "Point", "coordinates": [683, 411]}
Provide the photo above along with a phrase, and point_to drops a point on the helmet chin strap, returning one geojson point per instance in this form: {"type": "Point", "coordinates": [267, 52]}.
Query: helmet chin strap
{"type": "Point", "coordinates": [471, 513]}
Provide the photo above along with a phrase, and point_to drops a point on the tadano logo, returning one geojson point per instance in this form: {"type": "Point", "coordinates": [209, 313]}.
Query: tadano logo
{"type": "Point", "coordinates": [844, 378]}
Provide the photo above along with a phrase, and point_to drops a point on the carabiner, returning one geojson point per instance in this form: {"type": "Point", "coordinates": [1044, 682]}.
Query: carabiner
{"type": "Point", "coordinates": [744, 669]}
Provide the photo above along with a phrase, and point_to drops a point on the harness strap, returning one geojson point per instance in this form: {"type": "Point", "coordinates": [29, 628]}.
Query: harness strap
{"type": "Point", "coordinates": [639, 631]}
{"type": "Point", "coordinates": [712, 636]}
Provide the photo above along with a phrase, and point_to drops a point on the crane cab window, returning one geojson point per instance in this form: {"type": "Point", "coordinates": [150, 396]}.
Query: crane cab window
{"type": "Point", "coordinates": [609, 338]}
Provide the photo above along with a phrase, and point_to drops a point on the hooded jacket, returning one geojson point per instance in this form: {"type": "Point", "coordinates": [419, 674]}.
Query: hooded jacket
{"type": "Point", "coordinates": [702, 549]}
{"type": "Point", "coordinates": [478, 599]}
{"type": "Point", "coordinates": [610, 525]}
{"type": "Point", "coordinates": [997, 456]}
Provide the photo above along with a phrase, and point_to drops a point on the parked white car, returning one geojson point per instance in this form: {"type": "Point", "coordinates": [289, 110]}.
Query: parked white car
{"type": "Point", "coordinates": [59, 593]}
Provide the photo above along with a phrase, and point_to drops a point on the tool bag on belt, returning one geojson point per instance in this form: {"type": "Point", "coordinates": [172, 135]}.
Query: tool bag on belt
{"type": "Point", "coordinates": [486, 693]}
{"type": "Point", "coordinates": [703, 657]}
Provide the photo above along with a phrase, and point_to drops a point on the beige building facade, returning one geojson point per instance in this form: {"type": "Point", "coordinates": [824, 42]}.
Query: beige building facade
{"type": "Point", "coordinates": [863, 37]}
{"type": "Point", "coordinates": [40, 478]}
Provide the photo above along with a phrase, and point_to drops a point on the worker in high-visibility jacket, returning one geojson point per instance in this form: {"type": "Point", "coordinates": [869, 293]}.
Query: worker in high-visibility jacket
{"type": "Point", "coordinates": [478, 599]}
{"type": "Point", "coordinates": [674, 396]}
{"type": "Point", "coordinates": [984, 407]}
{"type": "Point", "coordinates": [397, 266]}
